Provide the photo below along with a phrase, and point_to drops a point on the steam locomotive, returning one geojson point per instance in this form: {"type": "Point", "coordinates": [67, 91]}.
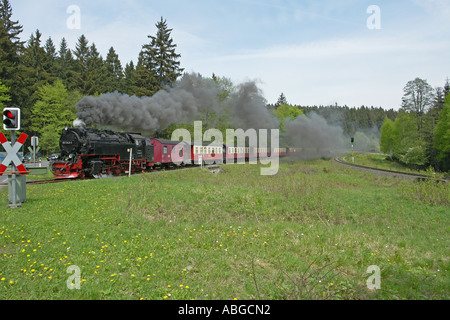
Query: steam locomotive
{"type": "Point", "coordinates": [92, 152]}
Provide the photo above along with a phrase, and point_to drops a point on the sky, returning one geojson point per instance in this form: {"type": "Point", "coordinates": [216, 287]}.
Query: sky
{"type": "Point", "coordinates": [316, 52]}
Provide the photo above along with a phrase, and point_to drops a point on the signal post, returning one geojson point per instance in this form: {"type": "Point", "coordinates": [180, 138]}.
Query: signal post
{"type": "Point", "coordinates": [11, 122]}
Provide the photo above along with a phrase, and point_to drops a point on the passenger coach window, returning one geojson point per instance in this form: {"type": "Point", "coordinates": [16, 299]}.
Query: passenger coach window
{"type": "Point", "coordinates": [165, 150]}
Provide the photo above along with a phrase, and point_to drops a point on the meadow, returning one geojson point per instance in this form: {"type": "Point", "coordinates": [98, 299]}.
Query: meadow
{"type": "Point", "coordinates": [310, 232]}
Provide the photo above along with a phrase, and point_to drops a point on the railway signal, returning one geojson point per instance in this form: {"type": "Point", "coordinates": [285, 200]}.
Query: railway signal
{"type": "Point", "coordinates": [12, 158]}
{"type": "Point", "coordinates": [11, 119]}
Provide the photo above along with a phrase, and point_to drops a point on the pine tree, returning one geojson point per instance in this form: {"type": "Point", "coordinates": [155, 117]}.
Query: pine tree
{"type": "Point", "coordinates": [129, 80]}
{"type": "Point", "coordinates": [96, 72]}
{"type": "Point", "coordinates": [447, 87]}
{"type": "Point", "coordinates": [50, 57]}
{"type": "Point", "coordinates": [81, 53]}
{"type": "Point", "coordinates": [11, 49]}
{"type": "Point", "coordinates": [145, 75]}
{"type": "Point", "coordinates": [65, 65]}
{"type": "Point", "coordinates": [114, 71]}
{"type": "Point", "coordinates": [5, 98]}
{"type": "Point", "coordinates": [162, 51]}
{"type": "Point", "coordinates": [35, 59]}
{"type": "Point", "coordinates": [13, 28]}
{"type": "Point", "coordinates": [281, 100]}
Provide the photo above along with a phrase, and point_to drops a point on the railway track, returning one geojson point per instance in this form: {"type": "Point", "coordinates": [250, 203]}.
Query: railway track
{"type": "Point", "coordinates": [47, 181]}
{"type": "Point", "coordinates": [54, 181]}
{"type": "Point", "coordinates": [400, 174]}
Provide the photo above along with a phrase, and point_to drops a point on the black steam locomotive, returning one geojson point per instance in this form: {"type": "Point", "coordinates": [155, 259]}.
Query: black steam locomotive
{"type": "Point", "coordinates": [92, 152]}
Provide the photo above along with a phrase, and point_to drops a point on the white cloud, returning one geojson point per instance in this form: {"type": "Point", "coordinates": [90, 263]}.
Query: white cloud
{"type": "Point", "coordinates": [354, 71]}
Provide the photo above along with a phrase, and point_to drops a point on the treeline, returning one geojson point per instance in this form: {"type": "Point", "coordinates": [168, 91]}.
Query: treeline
{"type": "Point", "coordinates": [46, 80]}
{"type": "Point", "coordinates": [419, 137]}
{"type": "Point", "coordinates": [363, 123]}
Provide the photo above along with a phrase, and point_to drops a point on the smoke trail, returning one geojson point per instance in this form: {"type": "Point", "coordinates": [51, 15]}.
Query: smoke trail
{"type": "Point", "coordinates": [315, 135]}
{"type": "Point", "coordinates": [190, 97]}
{"type": "Point", "coordinates": [183, 103]}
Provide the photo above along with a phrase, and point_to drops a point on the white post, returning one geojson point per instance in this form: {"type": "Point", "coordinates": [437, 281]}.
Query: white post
{"type": "Point", "coordinates": [353, 154]}
{"type": "Point", "coordinates": [131, 159]}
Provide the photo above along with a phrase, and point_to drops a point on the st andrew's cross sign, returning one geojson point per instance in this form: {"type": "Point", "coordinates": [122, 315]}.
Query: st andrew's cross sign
{"type": "Point", "coordinates": [12, 153]}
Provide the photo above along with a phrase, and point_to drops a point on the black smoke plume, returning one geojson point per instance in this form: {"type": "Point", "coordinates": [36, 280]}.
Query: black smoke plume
{"type": "Point", "coordinates": [191, 96]}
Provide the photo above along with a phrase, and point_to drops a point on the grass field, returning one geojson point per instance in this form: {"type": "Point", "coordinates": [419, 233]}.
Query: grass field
{"type": "Point", "coordinates": [310, 232]}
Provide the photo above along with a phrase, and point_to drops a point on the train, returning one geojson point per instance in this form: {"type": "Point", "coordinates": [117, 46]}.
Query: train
{"type": "Point", "coordinates": [87, 153]}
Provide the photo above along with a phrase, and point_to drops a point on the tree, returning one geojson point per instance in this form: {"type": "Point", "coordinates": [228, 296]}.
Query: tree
{"type": "Point", "coordinates": [114, 71]}
{"type": "Point", "coordinates": [36, 61]}
{"type": "Point", "coordinates": [418, 98]}
{"type": "Point", "coordinates": [81, 53]}
{"type": "Point", "coordinates": [11, 48]}
{"type": "Point", "coordinates": [405, 135]}
{"type": "Point", "coordinates": [51, 108]}
{"type": "Point", "coordinates": [129, 80]}
{"type": "Point", "coordinates": [442, 136]}
{"type": "Point", "coordinates": [64, 65]}
{"type": "Point", "coordinates": [387, 140]}
{"type": "Point", "coordinates": [281, 100]}
{"type": "Point", "coordinates": [50, 57]}
{"type": "Point", "coordinates": [286, 111]}
{"type": "Point", "coordinates": [4, 95]}
{"type": "Point", "coordinates": [447, 87]}
{"type": "Point", "coordinates": [162, 51]}
{"type": "Point", "coordinates": [13, 28]}
{"type": "Point", "coordinates": [96, 75]}
{"type": "Point", "coordinates": [145, 75]}
{"type": "Point", "coordinates": [415, 157]}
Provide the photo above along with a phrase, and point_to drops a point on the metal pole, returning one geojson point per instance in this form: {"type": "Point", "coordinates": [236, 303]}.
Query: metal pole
{"type": "Point", "coordinates": [14, 197]}
{"type": "Point", "coordinates": [353, 155]}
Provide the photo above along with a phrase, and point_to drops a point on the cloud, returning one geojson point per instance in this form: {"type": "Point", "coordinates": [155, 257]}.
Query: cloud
{"type": "Point", "coordinates": [369, 70]}
{"type": "Point", "coordinates": [435, 7]}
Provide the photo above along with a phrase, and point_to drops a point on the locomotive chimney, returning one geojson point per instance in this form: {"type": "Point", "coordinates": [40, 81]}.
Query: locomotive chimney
{"type": "Point", "coordinates": [78, 123]}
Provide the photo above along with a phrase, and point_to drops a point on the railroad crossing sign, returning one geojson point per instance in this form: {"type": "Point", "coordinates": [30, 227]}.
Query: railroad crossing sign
{"type": "Point", "coordinates": [12, 153]}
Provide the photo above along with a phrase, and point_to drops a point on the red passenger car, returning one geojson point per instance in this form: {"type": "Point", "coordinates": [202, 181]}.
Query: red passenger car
{"type": "Point", "coordinates": [167, 152]}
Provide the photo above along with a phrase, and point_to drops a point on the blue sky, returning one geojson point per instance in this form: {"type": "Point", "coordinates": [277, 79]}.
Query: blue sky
{"type": "Point", "coordinates": [314, 51]}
